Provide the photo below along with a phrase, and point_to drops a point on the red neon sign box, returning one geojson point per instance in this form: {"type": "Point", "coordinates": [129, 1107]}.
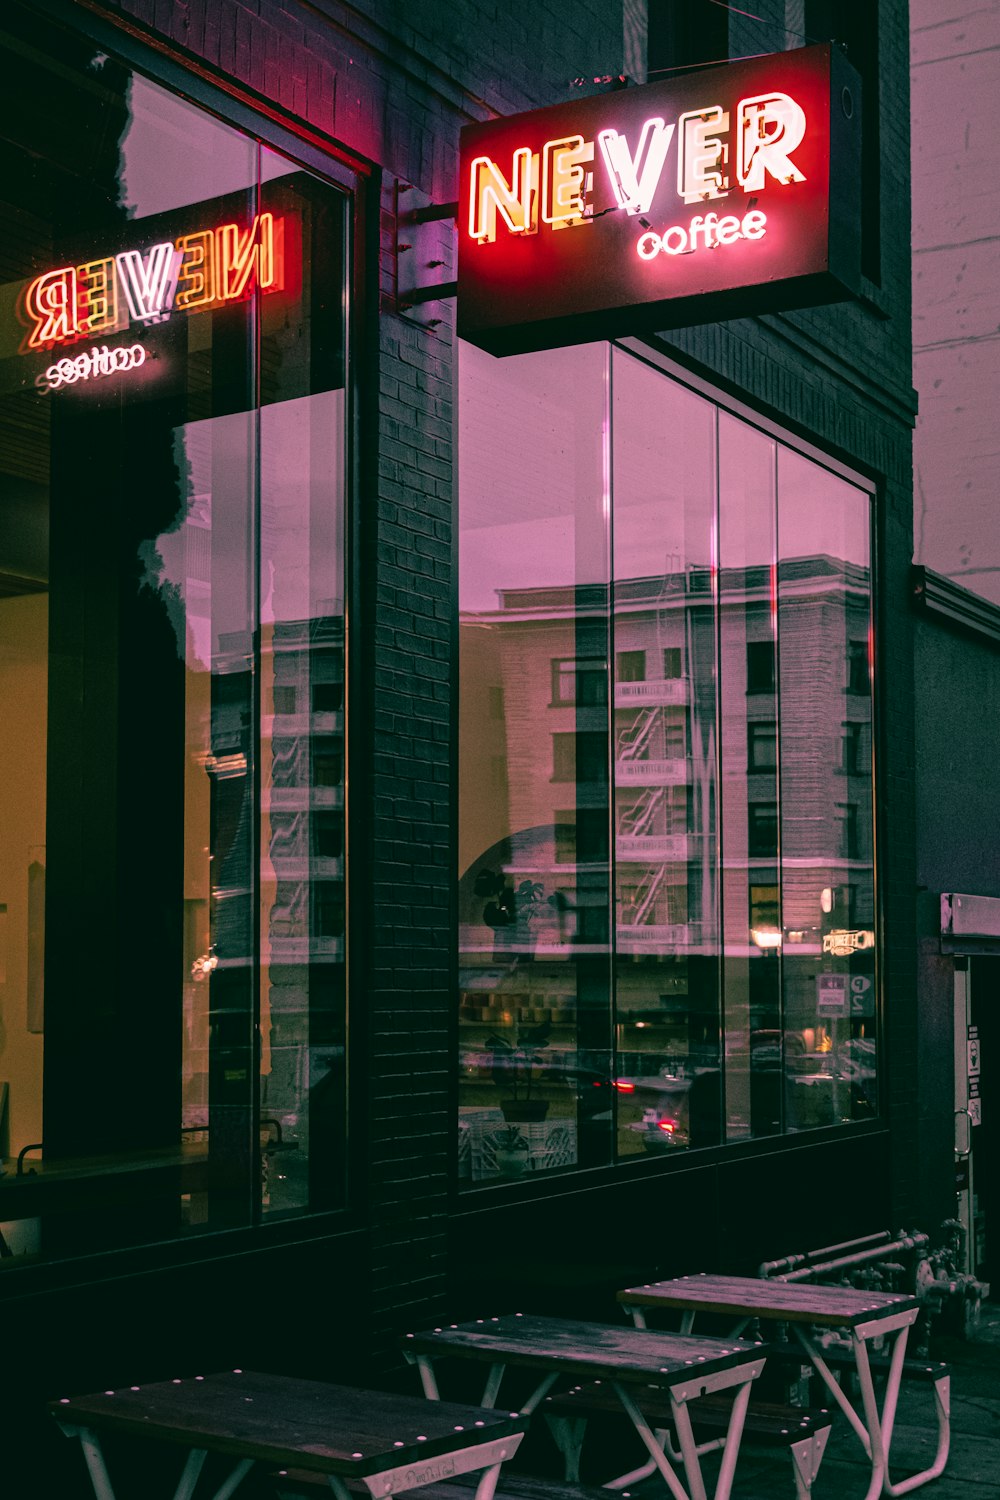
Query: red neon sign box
{"type": "Point", "coordinates": [722, 193]}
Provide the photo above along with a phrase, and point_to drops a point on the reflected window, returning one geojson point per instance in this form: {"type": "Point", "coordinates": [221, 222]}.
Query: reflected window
{"type": "Point", "coordinates": [760, 667]}
{"type": "Point", "coordinates": [853, 748]}
{"type": "Point", "coordinates": [631, 666]}
{"type": "Point", "coordinates": [762, 745]}
{"type": "Point", "coordinates": [327, 697]}
{"type": "Point", "coordinates": [762, 834]}
{"type": "Point", "coordinates": [847, 836]}
{"type": "Point", "coordinates": [580, 680]}
{"type": "Point", "coordinates": [672, 662]}
{"type": "Point", "coordinates": [857, 667]}
{"type": "Point", "coordinates": [579, 757]}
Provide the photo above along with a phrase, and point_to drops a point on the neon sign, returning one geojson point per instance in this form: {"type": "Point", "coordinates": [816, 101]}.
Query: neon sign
{"type": "Point", "coordinates": [579, 221]}
{"type": "Point", "coordinates": [193, 272]}
{"type": "Point", "coordinates": [97, 363]}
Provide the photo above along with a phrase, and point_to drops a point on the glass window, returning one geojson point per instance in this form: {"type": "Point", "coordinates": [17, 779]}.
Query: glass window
{"type": "Point", "coordinates": [534, 884]}
{"type": "Point", "coordinates": [751, 893]}
{"type": "Point", "coordinates": [172, 464]}
{"type": "Point", "coordinates": [729, 632]}
{"type": "Point", "coordinates": [665, 768]}
{"type": "Point", "coordinates": [828, 959]}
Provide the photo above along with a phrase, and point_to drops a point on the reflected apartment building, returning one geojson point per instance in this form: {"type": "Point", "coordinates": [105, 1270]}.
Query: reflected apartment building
{"type": "Point", "coordinates": [796, 1048]}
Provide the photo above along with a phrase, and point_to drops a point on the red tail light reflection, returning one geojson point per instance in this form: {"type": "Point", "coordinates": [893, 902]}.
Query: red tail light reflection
{"type": "Point", "coordinates": [623, 1086]}
{"type": "Point", "coordinates": [667, 1126]}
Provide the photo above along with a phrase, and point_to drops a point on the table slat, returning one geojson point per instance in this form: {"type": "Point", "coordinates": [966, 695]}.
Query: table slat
{"type": "Point", "coordinates": [592, 1349]}
{"type": "Point", "coordinates": [787, 1301]}
{"type": "Point", "coordinates": [281, 1420]}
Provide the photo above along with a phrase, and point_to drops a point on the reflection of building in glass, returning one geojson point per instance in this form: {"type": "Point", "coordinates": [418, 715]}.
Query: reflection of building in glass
{"type": "Point", "coordinates": [303, 885]}
{"type": "Point", "coordinates": [563, 766]}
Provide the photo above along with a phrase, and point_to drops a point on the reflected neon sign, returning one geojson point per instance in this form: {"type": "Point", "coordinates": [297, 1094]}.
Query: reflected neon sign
{"type": "Point", "coordinates": [193, 272]}
{"type": "Point", "coordinates": [93, 365]}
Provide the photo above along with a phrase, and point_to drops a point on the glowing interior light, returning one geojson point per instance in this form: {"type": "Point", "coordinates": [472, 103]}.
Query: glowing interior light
{"type": "Point", "coordinates": [701, 155]}
{"type": "Point", "coordinates": [564, 181]}
{"type": "Point", "coordinates": [491, 193]}
{"type": "Point", "coordinates": [97, 290]}
{"type": "Point", "coordinates": [241, 255]}
{"type": "Point", "coordinates": [148, 281]}
{"type": "Point", "coordinates": [196, 272]}
{"type": "Point", "coordinates": [51, 301]}
{"type": "Point", "coordinates": [768, 129]}
{"type": "Point", "coordinates": [634, 187]}
{"type": "Point", "coordinates": [766, 937]}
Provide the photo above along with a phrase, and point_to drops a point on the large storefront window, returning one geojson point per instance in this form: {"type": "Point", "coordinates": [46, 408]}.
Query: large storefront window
{"type": "Point", "coordinates": [666, 874]}
{"type": "Point", "coordinates": [172, 421]}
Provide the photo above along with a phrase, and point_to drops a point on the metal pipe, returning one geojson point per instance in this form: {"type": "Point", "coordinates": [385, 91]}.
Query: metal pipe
{"type": "Point", "coordinates": [769, 1266]}
{"type": "Point", "coordinates": [915, 1241]}
{"type": "Point", "coordinates": [789, 1262]}
{"type": "Point", "coordinates": [858, 1244]}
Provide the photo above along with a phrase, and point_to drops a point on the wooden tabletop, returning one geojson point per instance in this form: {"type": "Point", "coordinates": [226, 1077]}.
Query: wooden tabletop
{"type": "Point", "coordinates": [590, 1349]}
{"type": "Point", "coordinates": [278, 1420]}
{"type": "Point", "coordinates": [787, 1301]}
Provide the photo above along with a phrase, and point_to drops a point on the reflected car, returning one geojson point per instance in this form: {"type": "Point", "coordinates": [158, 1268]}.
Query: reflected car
{"type": "Point", "coordinates": [661, 1102]}
{"type": "Point", "coordinates": [551, 1079]}
{"type": "Point", "coordinates": [674, 1109]}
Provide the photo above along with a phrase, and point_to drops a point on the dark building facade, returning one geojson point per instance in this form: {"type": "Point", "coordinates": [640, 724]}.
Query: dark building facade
{"type": "Point", "coordinates": [458, 814]}
{"type": "Point", "coordinates": [956, 589]}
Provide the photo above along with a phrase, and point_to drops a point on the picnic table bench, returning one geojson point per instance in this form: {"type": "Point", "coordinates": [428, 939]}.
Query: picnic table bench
{"type": "Point", "coordinates": [637, 1366]}
{"type": "Point", "coordinates": [802, 1431]}
{"type": "Point", "coordinates": [862, 1317]}
{"type": "Point", "coordinates": [388, 1444]}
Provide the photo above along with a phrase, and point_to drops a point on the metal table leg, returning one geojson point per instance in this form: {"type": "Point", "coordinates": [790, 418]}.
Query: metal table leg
{"type": "Point", "coordinates": [690, 1451]}
{"type": "Point", "coordinates": [874, 1431]}
{"type": "Point", "coordinates": [97, 1468]}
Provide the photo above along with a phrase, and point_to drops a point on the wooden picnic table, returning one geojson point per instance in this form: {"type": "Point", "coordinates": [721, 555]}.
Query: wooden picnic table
{"type": "Point", "coordinates": [862, 1316]}
{"type": "Point", "coordinates": [389, 1443]}
{"type": "Point", "coordinates": [632, 1362]}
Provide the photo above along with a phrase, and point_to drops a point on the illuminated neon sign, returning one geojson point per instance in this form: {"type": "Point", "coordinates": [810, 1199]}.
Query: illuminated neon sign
{"type": "Point", "coordinates": [720, 193]}
{"type": "Point", "coordinates": [95, 364]}
{"type": "Point", "coordinates": [191, 273]}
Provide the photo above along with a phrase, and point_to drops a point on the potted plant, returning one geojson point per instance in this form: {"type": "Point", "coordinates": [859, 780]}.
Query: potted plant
{"type": "Point", "coordinates": [513, 1071]}
{"type": "Point", "coordinates": [511, 911]}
